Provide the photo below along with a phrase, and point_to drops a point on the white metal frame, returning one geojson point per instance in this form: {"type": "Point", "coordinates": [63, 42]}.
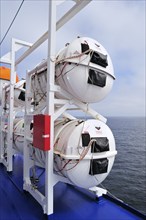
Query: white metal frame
{"type": "Point", "coordinates": [51, 179]}
{"type": "Point", "coordinates": [9, 58]}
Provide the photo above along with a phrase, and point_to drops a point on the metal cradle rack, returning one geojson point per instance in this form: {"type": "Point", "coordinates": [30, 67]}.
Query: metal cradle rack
{"type": "Point", "coordinates": [54, 107]}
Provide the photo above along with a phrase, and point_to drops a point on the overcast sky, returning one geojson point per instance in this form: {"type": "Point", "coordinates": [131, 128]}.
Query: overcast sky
{"type": "Point", "coordinates": [118, 25]}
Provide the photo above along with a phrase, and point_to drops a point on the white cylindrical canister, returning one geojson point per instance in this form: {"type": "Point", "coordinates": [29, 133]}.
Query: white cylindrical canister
{"type": "Point", "coordinates": [84, 69]}
{"type": "Point", "coordinates": [84, 151]}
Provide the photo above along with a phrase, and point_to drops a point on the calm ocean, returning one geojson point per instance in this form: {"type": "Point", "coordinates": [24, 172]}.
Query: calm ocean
{"type": "Point", "coordinates": [127, 180]}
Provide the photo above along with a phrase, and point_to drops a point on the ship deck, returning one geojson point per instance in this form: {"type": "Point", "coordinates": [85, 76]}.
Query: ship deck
{"type": "Point", "coordinates": [69, 202]}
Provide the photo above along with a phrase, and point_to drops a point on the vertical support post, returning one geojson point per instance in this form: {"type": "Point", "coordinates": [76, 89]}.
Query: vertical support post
{"type": "Point", "coordinates": [1, 144]}
{"type": "Point", "coordinates": [6, 137]}
{"type": "Point", "coordinates": [11, 109]}
{"type": "Point", "coordinates": [50, 105]}
{"type": "Point", "coordinates": [27, 120]}
{"type": "Point", "coordinates": [2, 126]}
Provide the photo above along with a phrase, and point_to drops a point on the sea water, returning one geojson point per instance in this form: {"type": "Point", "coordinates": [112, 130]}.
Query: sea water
{"type": "Point", "coordinates": [127, 179]}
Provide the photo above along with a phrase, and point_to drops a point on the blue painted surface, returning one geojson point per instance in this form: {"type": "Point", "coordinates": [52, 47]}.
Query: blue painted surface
{"type": "Point", "coordinates": [70, 203]}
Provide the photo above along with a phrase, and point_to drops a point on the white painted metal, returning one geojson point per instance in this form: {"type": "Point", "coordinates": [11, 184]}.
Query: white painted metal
{"type": "Point", "coordinates": [18, 45]}
{"type": "Point", "coordinates": [59, 2]}
{"type": "Point", "coordinates": [83, 106]}
{"type": "Point", "coordinates": [51, 106]}
{"type": "Point", "coordinates": [8, 115]}
{"type": "Point", "coordinates": [7, 140]}
{"type": "Point", "coordinates": [27, 162]}
{"type": "Point", "coordinates": [99, 191]}
{"type": "Point", "coordinates": [11, 109]}
{"type": "Point", "coordinates": [51, 179]}
{"type": "Point", "coordinates": [70, 14]}
{"type": "Point", "coordinates": [3, 120]}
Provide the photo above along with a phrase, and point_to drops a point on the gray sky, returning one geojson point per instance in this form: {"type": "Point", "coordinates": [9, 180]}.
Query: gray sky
{"type": "Point", "coordinates": [118, 25]}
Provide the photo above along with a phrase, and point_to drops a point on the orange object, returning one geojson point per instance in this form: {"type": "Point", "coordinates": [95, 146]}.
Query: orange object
{"type": "Point", "coordinates": [5, 73]}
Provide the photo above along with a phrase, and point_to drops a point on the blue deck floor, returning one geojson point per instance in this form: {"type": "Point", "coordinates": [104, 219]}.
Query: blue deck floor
{"type": "Point", "coordinates": [70, 203]}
